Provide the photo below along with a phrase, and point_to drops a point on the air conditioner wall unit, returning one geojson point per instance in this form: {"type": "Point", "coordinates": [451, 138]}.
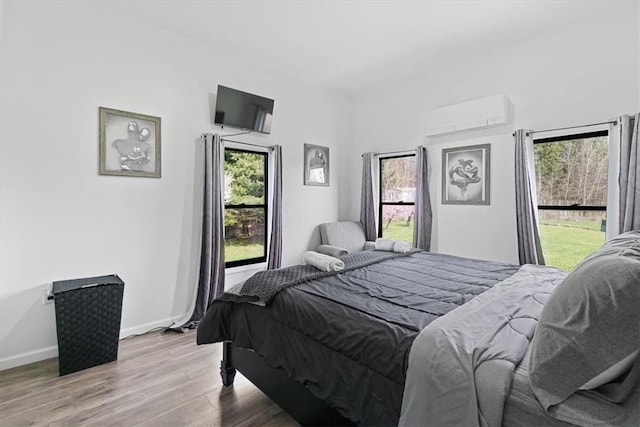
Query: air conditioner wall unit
{"type": "Point", "coordinates": [477, 114]}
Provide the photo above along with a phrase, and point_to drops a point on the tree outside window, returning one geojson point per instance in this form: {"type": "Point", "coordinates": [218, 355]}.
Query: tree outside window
{"type": "Point", "coordinates": [572, 187]}
{"type": "Point", "coordinates": [397, 197]}
{"type": "Point", "coordinates": [245, 198]}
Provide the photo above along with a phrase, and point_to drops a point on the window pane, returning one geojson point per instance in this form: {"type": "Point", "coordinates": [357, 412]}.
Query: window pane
{"type": "Point", "coordinates": [244, 234]}
{"type": "Point", "coordinates": [572, 172]}
{"type": "Point", "coordinates": [567, 237]}
{"type": "Point", "coordinates": [397, 222]}
{"type": "Point", "coordinates": [243, 178]}
{"type": "Point", "coordinates": [398, 179]}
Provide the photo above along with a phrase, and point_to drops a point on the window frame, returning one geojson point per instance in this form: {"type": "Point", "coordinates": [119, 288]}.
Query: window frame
{"type": "Point", "coordinates": [566, 138]}
{"type": "Point", "coordinates": [265, 206]}
{"type": "Point", "coordinates": [381, 203]}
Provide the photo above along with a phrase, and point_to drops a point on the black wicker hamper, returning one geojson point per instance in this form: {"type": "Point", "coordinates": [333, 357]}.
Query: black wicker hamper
{"type": "Point", "coordinates": [88, 313]}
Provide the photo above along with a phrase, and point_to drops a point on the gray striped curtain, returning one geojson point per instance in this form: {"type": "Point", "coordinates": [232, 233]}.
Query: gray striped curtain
{"type": "Point", "coordinates": [423, 215]}
{"type": "Point", "coordinates": [629, 179]}
{"type": "Point", "coordinates": [211, 279]}
{"type": "Point", "coordinates": [275, 245]}
{"type": "Point", "coordinates": [367, 204]}
{"type": "Point", "coordinates": [529, 247]}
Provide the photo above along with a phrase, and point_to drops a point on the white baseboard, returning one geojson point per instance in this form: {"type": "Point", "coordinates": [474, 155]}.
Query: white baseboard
{"type": "Point", "coordinates": [28, 357]}
{"type": "Point", "coordinates": [50, 352]}
{"type": "Point", "coordinates": [141, 329]}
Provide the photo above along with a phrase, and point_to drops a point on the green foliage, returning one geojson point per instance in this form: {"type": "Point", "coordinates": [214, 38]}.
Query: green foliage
{"type": "Point", "coordinates": [246, 173]}
{"type": "Point", "coordinates": [399, 172]}
{"type": "Point", "coordinates": [572, 172]}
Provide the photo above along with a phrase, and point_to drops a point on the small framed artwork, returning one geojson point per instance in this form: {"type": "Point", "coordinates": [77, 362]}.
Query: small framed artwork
{"type": "Point", "coordinates": [466, 173]}
{"type": "Point", "coordinates": [316, 165]}
{"type": "Point", "coordinates": [129, 144]}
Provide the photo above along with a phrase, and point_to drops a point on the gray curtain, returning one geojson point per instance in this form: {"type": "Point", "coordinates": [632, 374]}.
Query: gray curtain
{"type": "Point", "coordinates": [275, 245]}
{"type": "Point", "coordinates": [211, 280]}
{"type": "Point", "coordinates": [423, 215]}
{"type": "Point", "coordinates": [529, 248]}
{"type": "Point", "coordinates": [629, 174]}
{"type": "Point", "coordinates": [367, 205]}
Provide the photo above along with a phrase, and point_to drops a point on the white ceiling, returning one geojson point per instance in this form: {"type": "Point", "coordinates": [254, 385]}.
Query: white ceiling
{"type": "Point", "coordinates": [351, 46]}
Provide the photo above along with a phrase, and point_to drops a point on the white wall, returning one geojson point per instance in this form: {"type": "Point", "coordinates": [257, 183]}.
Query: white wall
{"type": "Point", "coordinates": [582, 74]}
{"type": "Point", "coordinates": [60, 219]}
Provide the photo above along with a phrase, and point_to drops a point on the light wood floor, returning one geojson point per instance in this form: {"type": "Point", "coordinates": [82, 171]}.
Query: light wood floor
{"type": "Point", "coordinates": [158, 380]}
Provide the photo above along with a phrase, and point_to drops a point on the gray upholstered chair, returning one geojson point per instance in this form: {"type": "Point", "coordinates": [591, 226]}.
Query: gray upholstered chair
{"type": "Point", "coordinates": [340, 238]}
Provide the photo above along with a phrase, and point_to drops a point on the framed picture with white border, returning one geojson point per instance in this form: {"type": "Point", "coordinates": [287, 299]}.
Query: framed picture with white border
{"type": "Point", "coordinates": [316, 165]}
{"type": "Point", "coordinates": [129, 144]}
{"type": "Point", "coordinates": [466, 173]}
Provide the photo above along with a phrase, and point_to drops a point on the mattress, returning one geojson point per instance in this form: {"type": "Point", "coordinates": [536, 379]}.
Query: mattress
{"type": "Point", "coordinates": [522, 409]}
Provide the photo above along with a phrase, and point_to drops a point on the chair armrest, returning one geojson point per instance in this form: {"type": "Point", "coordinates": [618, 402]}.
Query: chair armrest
{"type": "Point", "coordinates": [331, 250]}
{"type": "Point", "coordinates": [369, 246]}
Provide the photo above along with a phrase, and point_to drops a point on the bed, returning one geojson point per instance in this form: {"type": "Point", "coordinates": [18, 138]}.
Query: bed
{"type": "Point", "coordinates": [358, 346]}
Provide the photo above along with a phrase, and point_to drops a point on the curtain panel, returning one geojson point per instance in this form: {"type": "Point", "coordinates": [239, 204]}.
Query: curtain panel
{"type": "Point", "coordinates": [529, 247]}
{"type": "Point", "coordinates": [211, 277]}
{"type": "Point", "coordinates": [629, 178]}
{"type": "Point", "coordinates": [367, 203]}
{"type": "Point", "coordinates": [423, 214]}
{"type": "Point", "coordinates": [275, 241]}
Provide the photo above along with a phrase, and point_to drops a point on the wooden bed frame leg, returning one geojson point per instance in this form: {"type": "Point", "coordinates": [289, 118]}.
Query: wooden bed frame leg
{"type": "Point", "coordinates": [227, 371]}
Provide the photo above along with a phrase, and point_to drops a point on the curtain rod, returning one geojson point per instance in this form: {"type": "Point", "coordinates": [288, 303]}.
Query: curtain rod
{"type": "Point", "coordinates": [248, 143]}
{"type": "Point", "coordinates": [390, 152]}
{"type": "Point", "coordinates": [268, 147]}
{"type": "Point", "coordinates": [613, 122]}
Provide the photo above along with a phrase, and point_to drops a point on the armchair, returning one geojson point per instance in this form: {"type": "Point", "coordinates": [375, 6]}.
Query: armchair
{"type": "Point", "coordinates": [338, 238]}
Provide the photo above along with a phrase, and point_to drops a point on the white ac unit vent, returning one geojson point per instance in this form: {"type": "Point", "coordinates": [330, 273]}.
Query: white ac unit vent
{"type": "Point", "coordinates": [477, 114]}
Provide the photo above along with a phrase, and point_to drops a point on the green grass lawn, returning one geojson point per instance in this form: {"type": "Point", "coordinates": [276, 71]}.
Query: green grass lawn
{"type": "Point", "coordinates": [565, 246]}
{"type": "Point", "coordinates": [564, 242]}
{"type": "Point", "coordinates": [397, 230]}
{"type": "Point", "coordinates": [237, 250]}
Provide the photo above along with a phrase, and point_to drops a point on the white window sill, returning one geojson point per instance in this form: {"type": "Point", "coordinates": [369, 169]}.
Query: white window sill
{"type": "Point", "coordinates": [235, 275]}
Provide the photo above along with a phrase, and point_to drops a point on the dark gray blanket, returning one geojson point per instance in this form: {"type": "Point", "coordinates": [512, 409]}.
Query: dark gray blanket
{"type": "Point", "coordinates": [347, 336]}
{"type": "Point", "coordinates": [264, 285]}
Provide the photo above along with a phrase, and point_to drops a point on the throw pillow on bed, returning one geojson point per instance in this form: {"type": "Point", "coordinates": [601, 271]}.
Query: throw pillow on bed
{"type": "Point", "coordinates": [589, 328]}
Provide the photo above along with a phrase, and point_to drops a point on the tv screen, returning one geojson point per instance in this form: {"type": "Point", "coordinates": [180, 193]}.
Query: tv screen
{"type": "Point", "coordinates": [243, 110]}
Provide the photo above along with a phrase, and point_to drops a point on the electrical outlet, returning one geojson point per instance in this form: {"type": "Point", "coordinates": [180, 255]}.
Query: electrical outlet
{"type": "Point", "coordinates": [47, 294]}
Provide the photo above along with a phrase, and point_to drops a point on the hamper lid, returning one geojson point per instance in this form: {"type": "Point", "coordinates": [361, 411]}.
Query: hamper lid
{"type": "Point", "coordinates": [73, 284]}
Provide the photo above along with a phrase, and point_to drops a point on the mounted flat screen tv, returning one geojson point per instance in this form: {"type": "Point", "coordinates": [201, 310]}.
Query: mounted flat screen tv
{"type": "Point", "coordinates": [242, 110]}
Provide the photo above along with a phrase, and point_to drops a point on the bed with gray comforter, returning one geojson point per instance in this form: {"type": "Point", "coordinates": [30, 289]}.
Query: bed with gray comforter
{"type": "Point", "coordinates": [431, 339]}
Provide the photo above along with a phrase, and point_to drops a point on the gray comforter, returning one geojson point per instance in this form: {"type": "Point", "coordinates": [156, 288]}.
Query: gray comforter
{"type": "Point", "coordinates": [347, 336]}
{"type": "Point", "coordinates": [461, 365]}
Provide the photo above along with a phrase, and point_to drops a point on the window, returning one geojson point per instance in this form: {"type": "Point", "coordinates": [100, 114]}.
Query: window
{"type": "Point", "coordinates": [572, 184]}
{"type": "Point", "coordinates": [245, 209]}
{"type": "Point", "coordinates": [397, 197]}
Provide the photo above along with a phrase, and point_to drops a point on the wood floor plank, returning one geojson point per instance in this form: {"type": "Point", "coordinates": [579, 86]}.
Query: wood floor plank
{"type": "Point", "coordinates": [157, 380]}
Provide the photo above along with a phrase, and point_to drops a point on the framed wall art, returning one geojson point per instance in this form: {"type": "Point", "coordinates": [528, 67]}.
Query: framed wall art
{"type": "Point", "coordinates": [316, 165]}
{"type": "Point", "coordinates": [129, 144]}
{"type": "Point", "coordinates": [466, 173]}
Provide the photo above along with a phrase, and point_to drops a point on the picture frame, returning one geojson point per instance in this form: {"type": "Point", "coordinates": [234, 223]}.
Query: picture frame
{"type": "Point", "coordinates": [130, 144]}
{"type": "Point", "coordinates": [316, 165]}
{"type": "Point", "coordinates": [466, 175]}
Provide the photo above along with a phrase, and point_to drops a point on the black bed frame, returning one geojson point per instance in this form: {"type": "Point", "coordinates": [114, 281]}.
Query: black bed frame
{"type": "Point", "coordinates": [287, 393]}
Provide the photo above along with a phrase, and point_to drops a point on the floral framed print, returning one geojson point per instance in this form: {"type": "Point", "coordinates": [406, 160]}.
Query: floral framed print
{"type": "Point", "coordinates": [129, 144]}
{"type": "Point", "coordinates": [466, 173]}
{"type": "Point", "coordinates": [316, 165]}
